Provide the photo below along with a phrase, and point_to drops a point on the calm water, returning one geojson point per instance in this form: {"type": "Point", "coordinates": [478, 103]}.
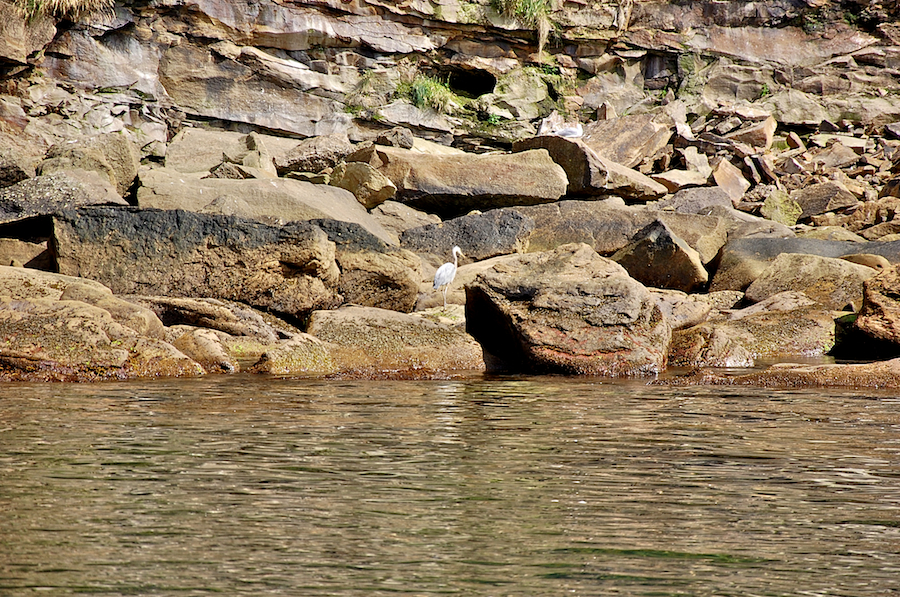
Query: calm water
{"type": "Point", "coordinates": [520, 486]}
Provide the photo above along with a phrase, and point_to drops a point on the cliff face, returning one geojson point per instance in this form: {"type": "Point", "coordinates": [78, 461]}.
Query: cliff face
{"type": "Point", "coordinates": [477, 73]}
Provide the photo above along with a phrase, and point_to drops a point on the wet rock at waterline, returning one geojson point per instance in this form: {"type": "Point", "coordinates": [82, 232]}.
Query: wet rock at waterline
{"type": "Point", "coordinates": [62, 328]}
{"type": "Point", "coordinates": [567, 311]}
{"type": "Point", "coordinates": [369, 341]}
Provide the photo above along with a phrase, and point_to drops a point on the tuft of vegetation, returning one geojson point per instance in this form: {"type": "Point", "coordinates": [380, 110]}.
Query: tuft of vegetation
{"type": "Point", "coordinates": [72, 10]}
{"type": "Point", "coordinates": [429, 92]}
{"type": "Point", "coordinates": [534, 14]}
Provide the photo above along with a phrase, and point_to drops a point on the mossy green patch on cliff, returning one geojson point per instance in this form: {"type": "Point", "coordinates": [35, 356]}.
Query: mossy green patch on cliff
{"type": "Point", "coordinates": [430, 92]}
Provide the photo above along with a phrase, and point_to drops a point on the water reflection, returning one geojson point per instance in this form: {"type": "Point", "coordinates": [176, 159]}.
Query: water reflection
{"type": "Point", "coordinates": [508, 486]}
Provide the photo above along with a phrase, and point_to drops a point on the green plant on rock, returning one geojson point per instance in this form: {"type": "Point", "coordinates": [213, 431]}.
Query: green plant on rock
{"type": "Point", "coordinates": [64, 9]}
{"type": "Point", "coordinates": [429, 92]}
{"type": "Point", "coordinates": [534, 14]}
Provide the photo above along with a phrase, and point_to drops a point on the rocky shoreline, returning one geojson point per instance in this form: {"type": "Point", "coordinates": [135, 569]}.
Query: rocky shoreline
{"type": "Point", "coordinates": [658, 216]}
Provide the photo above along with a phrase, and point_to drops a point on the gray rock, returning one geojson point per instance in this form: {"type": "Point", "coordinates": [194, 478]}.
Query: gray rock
{"type": "Point", "coordinates": [397, 218]}
{"type": "Point", "coordinates": [44, 195]}
{"type": "Point", "coordinates": [744, 259]}
{"type": "Point", "coordinates": [657, 257]}
{"type": "Point", "coordinates": [567, 311]}
{"type": "Point", "coordinates": [832, 283]}
{"type": "Point", "coordinates": [823, 197]}
{"type": "Point", "coordinates": [698, 200]}
{"type": "Point", "coordinates": [480, 236]}
{"type": "Point", "coordinates": [289, 270]}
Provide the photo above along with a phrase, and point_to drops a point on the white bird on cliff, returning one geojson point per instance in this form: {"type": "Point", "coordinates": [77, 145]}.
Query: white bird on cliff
{"type": "Point", "coordinates": [445, 274]}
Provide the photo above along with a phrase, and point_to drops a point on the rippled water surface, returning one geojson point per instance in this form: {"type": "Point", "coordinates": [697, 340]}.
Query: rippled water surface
{"type": "Point", "coordinates": [245, 485]}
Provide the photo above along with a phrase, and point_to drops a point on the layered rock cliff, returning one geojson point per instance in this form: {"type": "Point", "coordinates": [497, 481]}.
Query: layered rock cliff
{"type": "Point", "coordinates": [317, 67]}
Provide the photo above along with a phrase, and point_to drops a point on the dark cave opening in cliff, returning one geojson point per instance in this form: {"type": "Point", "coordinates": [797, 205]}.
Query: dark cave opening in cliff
{"type": "Point", "coordinates": [470, 83]}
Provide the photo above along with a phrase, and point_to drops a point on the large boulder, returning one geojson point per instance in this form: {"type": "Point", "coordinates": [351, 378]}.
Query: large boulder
{"type": "Point", "coordinates": [591, 174]}
{"type": "Point", "coordinates": [315, 154]}
{"type": "Point", "coordinates": [260, 199]}
{"type": "Point", "coordinates": [567, 311]}
{"type": "Point", "coordinates": [289, 270]}
{"type": "Point", "coordinates": [609, 226]}
{"type": "Point", "coordinates": [879, 316]}
{"type": "Point", "coordinates": [373, 342]}
{"type": "Point", "coordinates": [200, 150]}
{"type": "Point", "coordinates": [480, 236]}
{"type": "Point", "coordinates": [456, 184]}
{"type": "Point", "coordinates": [659, 258]}
{"type": "Point", "coordinates": [112, 156]}
{"type": "Point", "coordinates": [832, 283]}
{"type": "Point", "coordinates": [629, 140]}
{"type": "Point", "coordinates": [784, 325]}
{"type": "Point", "coordinates": [372, 274]}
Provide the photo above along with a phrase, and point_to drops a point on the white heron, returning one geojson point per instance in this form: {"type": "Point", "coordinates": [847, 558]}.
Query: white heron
{"type": "Point", "coordinates": [445, 274]}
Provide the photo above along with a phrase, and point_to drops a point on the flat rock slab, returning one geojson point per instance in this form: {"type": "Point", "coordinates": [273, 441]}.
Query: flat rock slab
{"type": "Point", "coordinates": [832, 283]}
{"type": "Point", "coordinates": [457, 184]}
{"type": "Point", "coordinates": [367, 341]}
{"type": "Point", "coordinates": [43, 195]}
{"type": "Point", "coordinates": [267, 200]}
{"type": "Point", "coordinates": [567, 311]}
{"type": "Point", "coordinates": [879, 374]}
{"type": "Point", "coordinates": [288, 269]}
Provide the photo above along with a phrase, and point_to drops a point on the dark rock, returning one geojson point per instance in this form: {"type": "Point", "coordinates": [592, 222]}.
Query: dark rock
{"type": "Point", "coordinates": [480, 236]}
{"type": "Point", "coordinates": [288, 270]}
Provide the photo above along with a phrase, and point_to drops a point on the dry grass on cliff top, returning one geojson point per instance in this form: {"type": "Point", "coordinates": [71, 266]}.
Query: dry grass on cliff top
{"type": "Point", "coordinates": [65, 9]}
